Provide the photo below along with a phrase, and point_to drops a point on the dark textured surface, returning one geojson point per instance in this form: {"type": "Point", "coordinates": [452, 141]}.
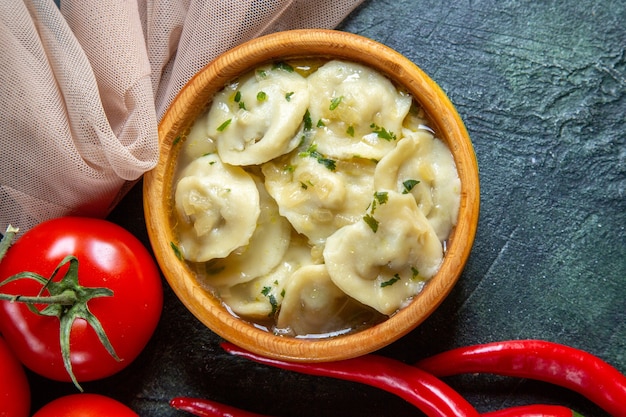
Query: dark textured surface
{"type": "Point", "coordinates": [542, 89]}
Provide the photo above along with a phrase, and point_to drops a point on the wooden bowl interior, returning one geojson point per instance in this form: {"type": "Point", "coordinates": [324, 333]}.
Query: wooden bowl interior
{"type": "Point", "coordinates": [193, 100]}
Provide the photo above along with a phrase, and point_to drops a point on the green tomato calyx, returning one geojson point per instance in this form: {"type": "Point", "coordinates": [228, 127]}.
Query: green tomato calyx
{"type": "Point", "coordinates": [65, 299]}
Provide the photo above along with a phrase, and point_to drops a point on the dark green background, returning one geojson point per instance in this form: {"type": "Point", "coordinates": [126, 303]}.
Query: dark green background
{"type": "Point", "coordinates": [541, 86]}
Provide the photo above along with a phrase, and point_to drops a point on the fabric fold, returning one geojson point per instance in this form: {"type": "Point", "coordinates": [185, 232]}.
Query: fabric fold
{"type": "Point", "coordinates": [85, 83]}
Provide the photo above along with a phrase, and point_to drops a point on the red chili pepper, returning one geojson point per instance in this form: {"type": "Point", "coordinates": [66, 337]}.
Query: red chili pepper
{"type": "Point", "coordinates": [545, 361]}
{"type": "Point", "coordinates": [535, 410]}
{"type": "Point", "coordinates": [208, 408]}
{"type": "Point", "coordinates": [426, 392]}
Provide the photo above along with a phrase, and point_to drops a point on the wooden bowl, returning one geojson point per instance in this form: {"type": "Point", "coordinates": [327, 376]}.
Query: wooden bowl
{"type": "Point", "coordinates": [195, 97]}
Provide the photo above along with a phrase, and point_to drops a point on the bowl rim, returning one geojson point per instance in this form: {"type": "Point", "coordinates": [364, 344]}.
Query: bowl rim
{"type": "Point", "coordinates": [292, 44]}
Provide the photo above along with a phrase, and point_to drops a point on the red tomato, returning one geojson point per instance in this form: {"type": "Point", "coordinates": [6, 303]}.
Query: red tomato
{"type": "Point", "coordinates": [14, 388]}
{"type": "Point", "coordinates": [109, 256]}
{"type": "Point", "coordinates": [85, 405]}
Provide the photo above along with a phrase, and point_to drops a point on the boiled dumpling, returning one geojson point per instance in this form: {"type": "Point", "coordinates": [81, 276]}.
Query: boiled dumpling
{"type": "Point", "coordinates": [260, 117]}
{"type": "Point", "coordinates": [217, 207]}
{"type": "Point", "coordinates": [356, 111]}
{"type": "Point", "coordinates": [266, 248]}
{"type": "Point", "coordinates": [261, 298]}
{"type": "Point", "coordinates": [312, 302]}
{"type": "Point", "coordinates": [316, 199]}
{"type": "Point", "coordinates": [422, 166]}
{"type": "Point", "coordinates": [386, 258]}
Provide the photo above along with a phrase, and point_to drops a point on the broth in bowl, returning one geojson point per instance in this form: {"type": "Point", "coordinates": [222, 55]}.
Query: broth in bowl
{"type": "Point", "coordinates": [313, 198]}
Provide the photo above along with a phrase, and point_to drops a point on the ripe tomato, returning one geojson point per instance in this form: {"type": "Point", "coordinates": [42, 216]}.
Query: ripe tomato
{"type": "Point", "coordinates": [14, 388]}
{"type": "Point", "coordinates": [85, 405]}
{"type": "Point", "coordinates": [108, 256]}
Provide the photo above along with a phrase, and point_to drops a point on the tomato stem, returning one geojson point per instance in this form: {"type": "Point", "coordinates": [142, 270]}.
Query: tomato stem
{"type": "Point", "coordinates": [7, 239]}
{"type": "Point", "coordinates": [67, 300]}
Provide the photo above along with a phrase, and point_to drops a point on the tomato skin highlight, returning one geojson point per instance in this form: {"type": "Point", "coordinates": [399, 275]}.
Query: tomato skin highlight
{"type": "Point", "coordinates": [85, 405]}
{"type": "Point", "coordinates": [109, 256]}
{"type": "Point", "coordinates": [14, 388]}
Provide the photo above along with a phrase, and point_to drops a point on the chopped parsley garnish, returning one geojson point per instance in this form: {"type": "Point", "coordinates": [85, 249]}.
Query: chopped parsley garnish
{"type": "Point", "coordinates": [350, 131]}
{"type": "Point", "coordinates": [224, 125]}
{"type": "Point", "coordinates": [313, 153]}
{"type": "Point", "coordinates": [303, 185]}
{"type": "Point", "coordinates": [267, 291]}
{"type": "Point", "coordinates": [177, 251]}
{"type": "Point", "coordinates": [308, 123]}
{"type": "Point", "coordinates": [176, 140]}
{"type": "Point", "coordinates": [392, 281]}
{"type": "Point", "coordinates": [261, 96]}
{"type": "Point", "coordinates": [415, 272]}
{"type": "Point", "coordinates": [283, 66]}
{"type": "Point", "coordinates": [237, 97]}
{"type": "Point", "coordinates": [335, 102]}
{"type": "Point", "coordinates": [382, 132]}
{"type": "Point", "coordinates": [288, 95]}
{"type": "Point", "coordinates": [371, 222]}
{"type": "Point", "coordinates": [261, 73]}
{"type": "Point", "coordinates": [320, 123]}
{"type": "Point", "coordinates": [381, 196]}
{"type": "Point", "coordinates": [408, 185]}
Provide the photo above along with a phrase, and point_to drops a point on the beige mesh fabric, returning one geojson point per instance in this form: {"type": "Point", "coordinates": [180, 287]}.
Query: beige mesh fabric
{"type": "Point", "coordinates": [84, 85]}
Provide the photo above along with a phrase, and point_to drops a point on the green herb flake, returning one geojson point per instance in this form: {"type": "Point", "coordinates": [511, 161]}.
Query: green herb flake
{"type": "Point", "coordinates": [267, 292]}
{"type": "Point", "coordinates": [303, 185]}
{"type": "Point", "coordinates": [177, 251]}
{"type": "Point", "coordinates": [392, 281]}
{"type": "Point", "coordinates": [261, 73]}
{"type": "Point", "coordinates": [313, 153]}
{"type": "Point", "coordinates": [371, 222]}
{"type": "Point", "coordinates": [283, 66]}
{"type": "Point", "coordinates": [242, 105]}
{"type": "Point", "coordinates": [408, 185]}
{"type": "Point", "coordinates": [237, 97]}
{"type": "Point", "coordinates": [288, 95]}
{"type": "Point", "coordinates": [415, 273]}
{"type": "Point", "coordinates": [261, 96]}
{"type": "Point", "coordinates": [381, 196]}
{"type": "Point", "coordinates": [224, 125]}
{"type": "Point", "coordinates": [176, 140]}
{"type": "Point", "coordinates": [320, 123]}
{"type": "Point", "coordinates": [350, 131]}
{"type": "Point", "coordinates": [308, 123]}
{"type": "Point", "coordinates": [382, 132]}
{"type": "Point", "coordinates": [334, 103]}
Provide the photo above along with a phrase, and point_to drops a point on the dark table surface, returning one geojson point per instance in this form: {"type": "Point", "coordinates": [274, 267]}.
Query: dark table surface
{"type": "Point", "coordinates": [541, 86]}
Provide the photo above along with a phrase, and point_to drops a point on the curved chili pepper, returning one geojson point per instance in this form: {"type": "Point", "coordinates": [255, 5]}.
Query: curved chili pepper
{"type": "Point", "coordinates": [207, 408]}
{"type": "Point", "coordinates": [535, 410]}
{"type": "Point", "coordinates": [541, 360]}
{"type": "Point", "coordinates": [424, 391]}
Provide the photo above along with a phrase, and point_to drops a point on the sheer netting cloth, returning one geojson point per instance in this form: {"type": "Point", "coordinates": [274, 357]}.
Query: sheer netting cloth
{"type": "Point", "coordinates": [85, 83]}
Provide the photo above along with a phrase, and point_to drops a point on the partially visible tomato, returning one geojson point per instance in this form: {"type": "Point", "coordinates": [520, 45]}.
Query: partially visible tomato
{"type": "Point", "coordinates": [85, 405]}
{"type": "Point", "coordinates": [14, 388]}
{"type": "Point", "coordinates": [108, 256]}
